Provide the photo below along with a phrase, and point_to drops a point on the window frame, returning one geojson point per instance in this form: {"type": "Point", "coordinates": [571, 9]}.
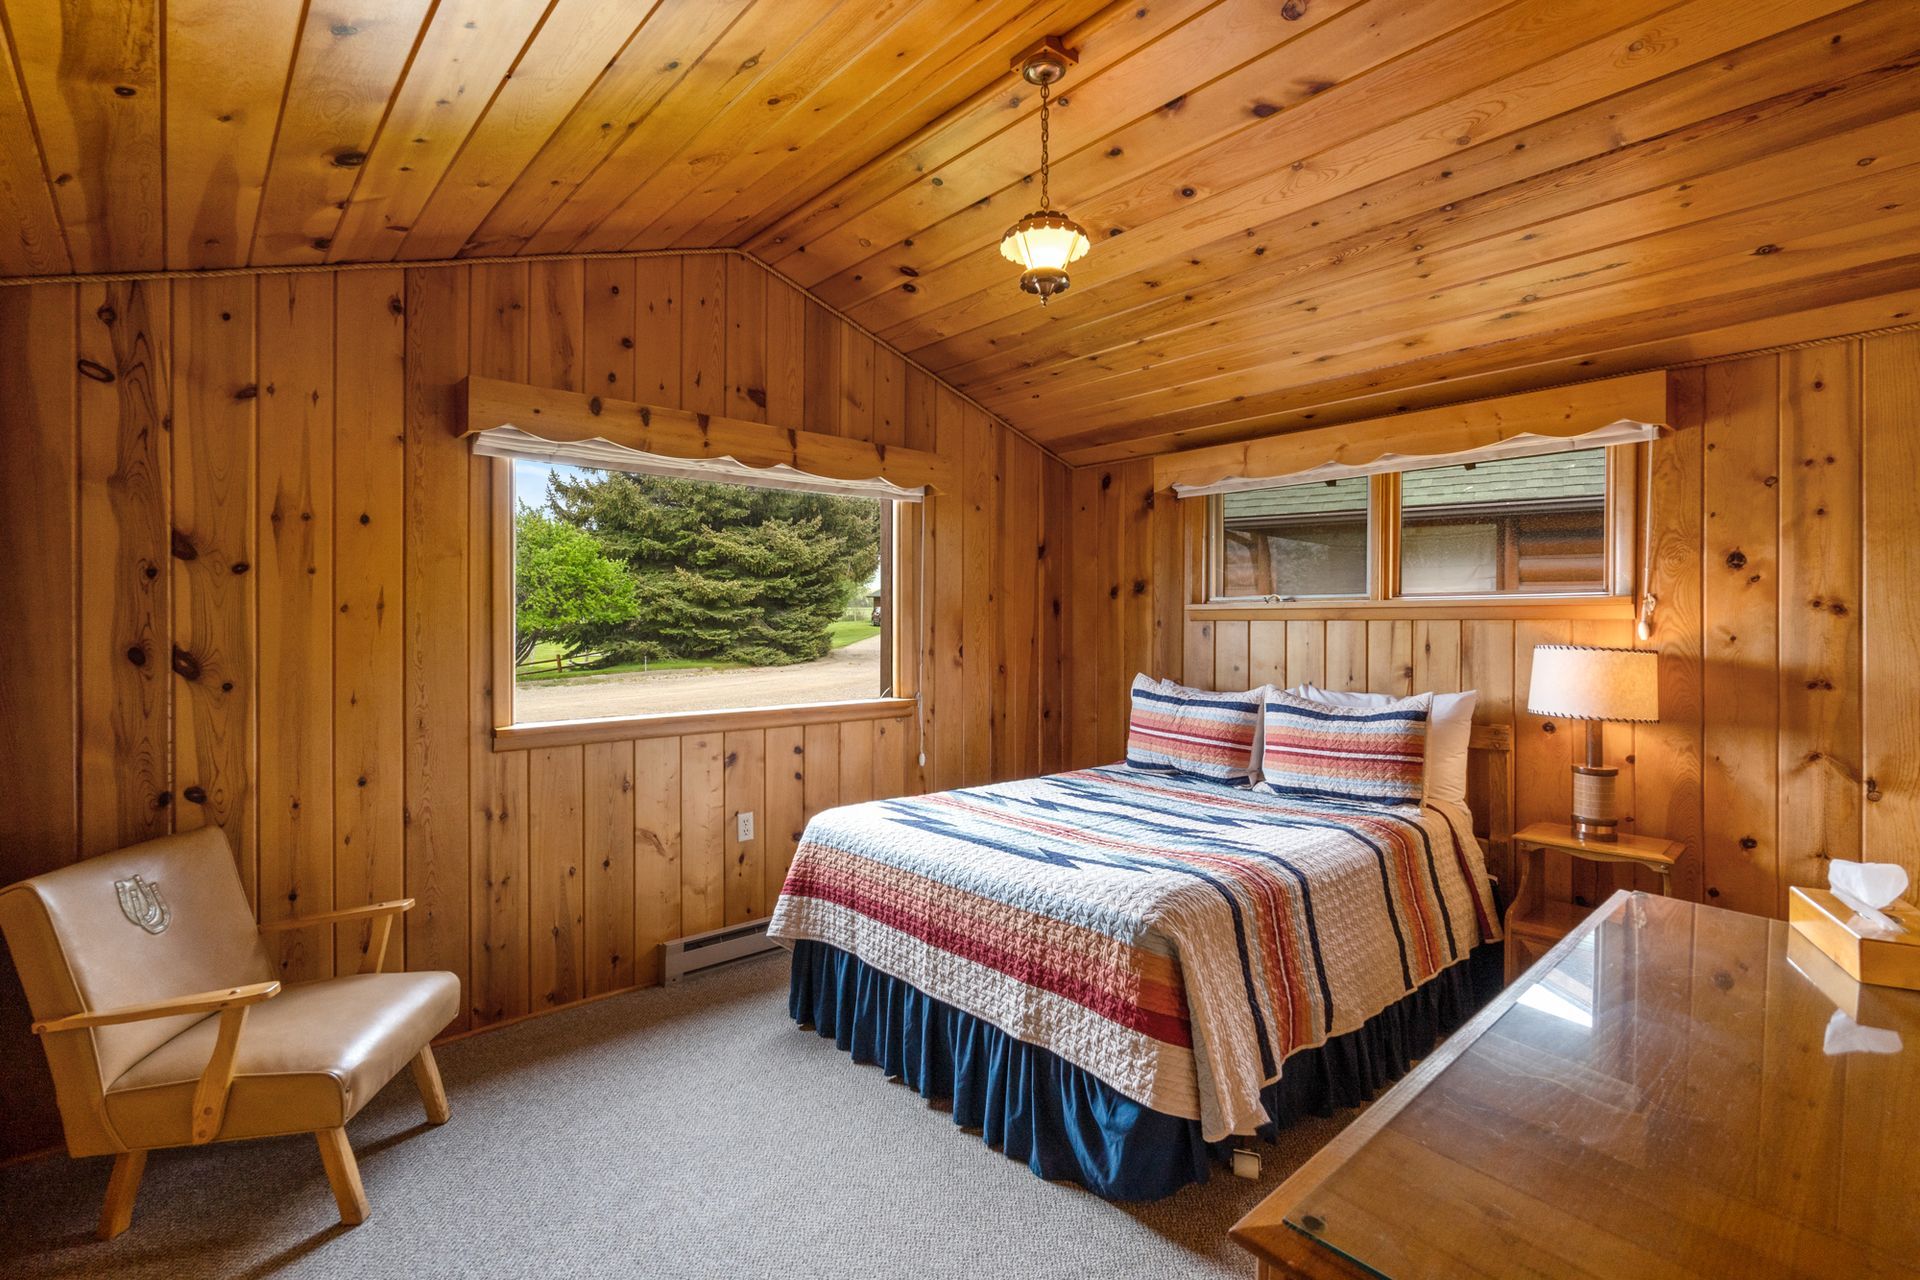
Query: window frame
{"type": "Point", "coordinates": [1624, 517]}
{"type": "Point", "coordinates": [900, 539]}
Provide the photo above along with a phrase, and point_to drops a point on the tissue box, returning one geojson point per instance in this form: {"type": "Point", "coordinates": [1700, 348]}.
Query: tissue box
{"type": "Point", "coordinates": [1867, 956]}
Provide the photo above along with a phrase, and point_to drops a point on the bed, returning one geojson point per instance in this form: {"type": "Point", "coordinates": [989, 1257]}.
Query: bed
{"type": "Point", "coordinates": [1117, 975]}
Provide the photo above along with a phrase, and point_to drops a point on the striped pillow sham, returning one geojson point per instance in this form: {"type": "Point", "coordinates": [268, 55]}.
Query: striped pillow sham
{"type": "Point", "coordinates": [1174, 729]}
{"type": "Point", "coordinates": [1368, 755]}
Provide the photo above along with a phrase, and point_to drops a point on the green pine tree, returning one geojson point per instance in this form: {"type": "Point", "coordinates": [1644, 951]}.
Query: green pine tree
{"type": "Point", "coordinates": [724, 572]}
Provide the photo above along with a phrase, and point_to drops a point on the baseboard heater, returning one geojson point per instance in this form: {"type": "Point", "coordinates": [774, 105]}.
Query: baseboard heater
{"type": "Point", "coordinates": [698, 951]}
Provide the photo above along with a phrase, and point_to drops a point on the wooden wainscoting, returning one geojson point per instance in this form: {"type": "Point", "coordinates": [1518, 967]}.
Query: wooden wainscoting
{"type": "Point", "coordinates": [249, 564]}
{"type": "Point", "coordinates": [1785, 551]}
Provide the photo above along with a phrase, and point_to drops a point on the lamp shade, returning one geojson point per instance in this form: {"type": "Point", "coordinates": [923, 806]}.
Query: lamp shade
{"type": "Point", "coordinates": [1574, 682]}
{"type": "Point", "coordinates": [1045, 240]}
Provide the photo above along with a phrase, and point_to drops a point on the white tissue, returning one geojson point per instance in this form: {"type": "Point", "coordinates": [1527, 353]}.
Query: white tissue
{"type": "Point", "coordinates": [1844, 1035]}
{"type": "Point", "coordinates": [1868, 886]}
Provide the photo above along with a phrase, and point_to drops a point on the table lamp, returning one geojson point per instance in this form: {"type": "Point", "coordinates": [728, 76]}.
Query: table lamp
{"type": "Point", "coordinates": [1578, 682]}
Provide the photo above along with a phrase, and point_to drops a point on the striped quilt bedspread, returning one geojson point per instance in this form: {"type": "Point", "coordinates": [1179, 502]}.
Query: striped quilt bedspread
{"type": "Point", "coordinates": [1176, 938]}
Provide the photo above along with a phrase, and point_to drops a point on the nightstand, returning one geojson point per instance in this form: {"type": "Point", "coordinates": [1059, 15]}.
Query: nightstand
{"type": "Point", "coordinates": [1535, 924]}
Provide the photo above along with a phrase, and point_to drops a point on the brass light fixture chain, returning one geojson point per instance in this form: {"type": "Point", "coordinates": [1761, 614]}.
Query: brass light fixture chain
{"type": "Point", "coordinates": [1046, 241]}
{"type": "Point", "coordinates": [1045, 165]}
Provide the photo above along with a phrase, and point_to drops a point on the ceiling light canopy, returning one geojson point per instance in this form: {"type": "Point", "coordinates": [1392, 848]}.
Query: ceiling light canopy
{"type": "Point", "coordinates": [1045, 241]}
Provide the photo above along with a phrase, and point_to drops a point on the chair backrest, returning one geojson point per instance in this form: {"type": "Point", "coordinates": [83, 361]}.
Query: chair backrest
{"type": "Point", "coordinates": [164, 918]}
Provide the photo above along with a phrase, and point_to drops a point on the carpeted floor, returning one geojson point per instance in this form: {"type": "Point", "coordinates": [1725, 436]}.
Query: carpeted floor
{"type": "Point", "coordinates": [667, 1133]}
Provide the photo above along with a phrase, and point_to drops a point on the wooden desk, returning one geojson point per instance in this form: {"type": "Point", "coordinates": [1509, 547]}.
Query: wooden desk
{"type": "Point", "coordinates": [1534, 922]}
{"type": "Point", "coordinates": [1653, 1099]}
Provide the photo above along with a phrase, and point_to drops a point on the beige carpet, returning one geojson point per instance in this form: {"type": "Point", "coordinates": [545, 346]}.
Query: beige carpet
{"type": "Point", "coordinates": [667, 1133]}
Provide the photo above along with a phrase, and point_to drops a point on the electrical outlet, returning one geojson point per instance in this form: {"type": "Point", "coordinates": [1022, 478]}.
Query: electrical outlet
{"type": "Point", "coordinates": [745, 823]}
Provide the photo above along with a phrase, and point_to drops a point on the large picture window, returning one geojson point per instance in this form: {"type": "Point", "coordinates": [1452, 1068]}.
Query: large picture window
{"type": "Point", "coordinates": [1556, 524]}
{"type": "Point", "coordinates": [642, 594]}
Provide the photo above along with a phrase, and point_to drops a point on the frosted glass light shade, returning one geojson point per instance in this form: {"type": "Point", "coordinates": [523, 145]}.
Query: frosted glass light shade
{"type": "Point", "coordinates": [1574, 682]}
{"type": "Point", "coordinates": [1045, 241]}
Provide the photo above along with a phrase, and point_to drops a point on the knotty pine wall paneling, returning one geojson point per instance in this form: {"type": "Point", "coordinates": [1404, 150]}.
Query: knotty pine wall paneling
{"type": "Point", "coordinates": [1782, 555]}
{"type": "Point", "coordinates": [260, 566]}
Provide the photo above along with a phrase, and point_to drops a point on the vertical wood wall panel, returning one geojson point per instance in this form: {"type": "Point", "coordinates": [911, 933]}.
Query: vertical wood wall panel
{"type": "Point", "coordinates": [438, 688]}
{"type": "Point", "coordinates": [295, 576]}
{"type": "Point", "coordinates": [1820, 611]}
{"type": "Point", "coordinates": [501, 870]}
{"type": "Point", "coordinates": [746, 792]}
{"type": "Point", "coordinates": [213, 652]}
{"type": "Point", "coordinates": [786, 346]}
{"type": "Point", "coordinates": [607, 862]}
{"type": "Point", "coordinates": [656, 852]}
{"type": "Point", "coordinates": [369, 732]}
{"type": "Point", "coordinates": [557, 325]}
{"type": "Point", "coordinates": [1544, 750]}
{"type": "Point", "coordinates": [703, 842]}
{"type": "Point", "coordinates": [657, 292]}
{"type": "Point", "coordinates": [1740, 651]}
{"type": "Point", "coordinates": [556, 893]}
{"type": "Point", "coordinates": [980, 589]}
{"type": "Point", "coordinates": [945, 672]}
{"type": "Point", "coordinates": [1890, 442]}
{"type": "Point", "coordinates": [703, 334]}
{"type": "Point", "coordinates": [612, 355]}
{"type": "Point", "coordinates": [124, 400]}
{"type": "Point", "coordinates": [1668, 755]}
{"type": "Point", "coordinates": [746, 360]}
{"type": "Point", "coordinates": [786, 815]}
{"type": "Point", "coordinates": [39, 579]}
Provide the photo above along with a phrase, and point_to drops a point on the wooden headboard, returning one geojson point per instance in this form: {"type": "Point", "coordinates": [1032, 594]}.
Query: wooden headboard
{"type": "Point", "coordinates": [1490, 796]}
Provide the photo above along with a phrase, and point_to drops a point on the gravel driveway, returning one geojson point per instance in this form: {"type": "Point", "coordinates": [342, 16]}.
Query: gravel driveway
{"type": "Point", "coordinates": [844, 674]}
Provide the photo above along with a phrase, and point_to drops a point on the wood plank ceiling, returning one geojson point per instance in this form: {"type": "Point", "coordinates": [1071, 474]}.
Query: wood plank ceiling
{"type": "Point", "coordinates": [1300, 208]}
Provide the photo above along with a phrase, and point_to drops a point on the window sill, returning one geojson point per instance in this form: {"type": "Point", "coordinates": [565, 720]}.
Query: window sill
{"type": "Point", "coordinates": [1578, 608]}
{"type": "Point", "coordinates": [567, 733]}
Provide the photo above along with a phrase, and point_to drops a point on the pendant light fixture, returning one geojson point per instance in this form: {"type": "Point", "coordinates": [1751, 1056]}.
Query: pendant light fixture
{"type": "Point", "coordinates": [1045, 241]}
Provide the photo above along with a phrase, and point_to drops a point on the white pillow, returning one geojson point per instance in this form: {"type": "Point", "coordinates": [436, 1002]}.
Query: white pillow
{"type": "Point", "coordinates": [1448, 731]}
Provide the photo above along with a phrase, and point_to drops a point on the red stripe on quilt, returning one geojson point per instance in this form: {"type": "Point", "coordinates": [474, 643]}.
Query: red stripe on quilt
{"type": "Point", "coordinates": [995, 948]}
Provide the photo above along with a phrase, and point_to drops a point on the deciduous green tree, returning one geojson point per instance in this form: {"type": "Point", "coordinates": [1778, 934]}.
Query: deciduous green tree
{"type": "Point", "coordinates": [565, 588]}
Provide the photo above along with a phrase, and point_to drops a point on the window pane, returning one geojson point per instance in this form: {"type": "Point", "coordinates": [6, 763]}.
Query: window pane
{"type": "Point", "coordinates": [640, 595]}
{"type": "Point", "coordinates": [1521, 525]}
{"type": "Point", "coordinates": [1296, 540]}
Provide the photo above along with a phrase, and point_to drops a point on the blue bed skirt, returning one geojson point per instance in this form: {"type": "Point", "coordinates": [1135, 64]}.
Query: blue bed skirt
{"type": "Point", "coordinates": [1064, 1122]}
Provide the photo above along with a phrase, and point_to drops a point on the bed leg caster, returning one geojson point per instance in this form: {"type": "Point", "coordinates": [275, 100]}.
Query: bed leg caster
{"type": "Point", "coordinates": [1246, 1164]}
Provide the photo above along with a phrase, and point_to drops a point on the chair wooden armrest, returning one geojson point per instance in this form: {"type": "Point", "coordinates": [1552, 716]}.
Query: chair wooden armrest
{"type": "Point", "coordinates": [173, 1006]}
{"type": "Point", "coordinates": [339, 917]}
{"type": "Point", "coordinates": [381, 913]}
{"type": "Point", "coordinates": [210, 1096]}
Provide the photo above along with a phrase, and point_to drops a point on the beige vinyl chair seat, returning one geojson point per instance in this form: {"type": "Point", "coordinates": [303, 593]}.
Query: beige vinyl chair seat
{"type": "Point", "coordinates": [310, 1059]}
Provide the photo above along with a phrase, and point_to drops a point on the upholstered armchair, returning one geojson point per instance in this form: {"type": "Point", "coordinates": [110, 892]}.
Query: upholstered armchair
{"type": "Point", "coordinates": [164, 1025]}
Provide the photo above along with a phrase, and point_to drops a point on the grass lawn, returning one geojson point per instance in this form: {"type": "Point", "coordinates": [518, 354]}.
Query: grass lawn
{"type": "Point", "coordinates": [844, 633]}
{"type": "Point", "coordinates": [840, 634]}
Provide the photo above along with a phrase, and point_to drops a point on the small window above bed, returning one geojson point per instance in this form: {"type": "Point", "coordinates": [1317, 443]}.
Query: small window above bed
{"type": "Point", "coordinates": [1297, 541]}
{"type": "Point", "coordinates": [1553, 525]}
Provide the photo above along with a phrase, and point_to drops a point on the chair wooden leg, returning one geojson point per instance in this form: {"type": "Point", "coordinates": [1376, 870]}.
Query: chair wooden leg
{"type": "Point", "coordinates": [426, 1076]}
{"type": "Point", "coordinates": [122, 1186]}
{"type": "Point", "coordinates": [343, 1174]}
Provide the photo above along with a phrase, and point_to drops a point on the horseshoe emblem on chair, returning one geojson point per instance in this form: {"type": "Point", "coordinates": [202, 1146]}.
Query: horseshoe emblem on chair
{"type": "Point", "coordinates": [141, 903]}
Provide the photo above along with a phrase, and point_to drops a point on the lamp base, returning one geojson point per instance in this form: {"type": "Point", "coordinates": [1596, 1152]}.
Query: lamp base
{"type": "Point", "coordinates": [1595, 814]}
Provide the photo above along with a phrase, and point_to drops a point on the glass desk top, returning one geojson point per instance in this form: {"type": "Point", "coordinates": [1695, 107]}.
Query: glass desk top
{"type": "Point", "coordinates": [1678, 1091]}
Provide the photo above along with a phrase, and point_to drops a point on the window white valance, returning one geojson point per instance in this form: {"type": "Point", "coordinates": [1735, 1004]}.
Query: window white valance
{"type": "Point", "coordinates": [605, 455]}
{"type": "Point", "coordinates": [1525, 445]}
